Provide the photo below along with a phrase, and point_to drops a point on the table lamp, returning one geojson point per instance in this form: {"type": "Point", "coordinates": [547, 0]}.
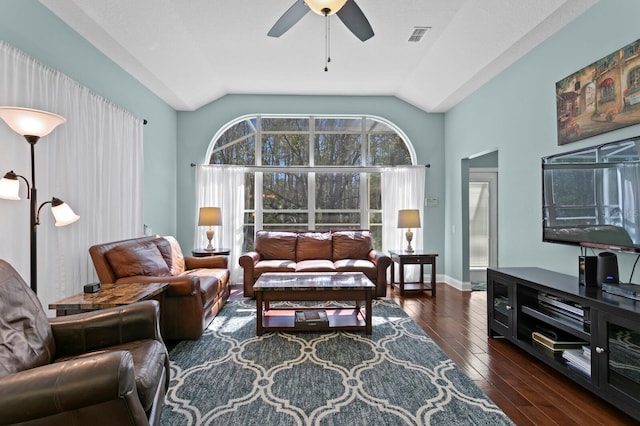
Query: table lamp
{"type": "Point", "coordinates": [409, 218]}
{"type": "Point", "coordinates": [210, 216]}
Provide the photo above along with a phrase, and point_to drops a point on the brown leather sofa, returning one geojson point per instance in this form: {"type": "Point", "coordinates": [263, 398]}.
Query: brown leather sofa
{"type": "Point", "coordinates": [314, 251]}
{"type": "Point", "coordinates": [98, 368]}
{"type": "Point", "coordinates": [199, 286]}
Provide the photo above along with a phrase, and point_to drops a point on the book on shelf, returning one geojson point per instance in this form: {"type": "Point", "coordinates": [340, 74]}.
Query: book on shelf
{"type": "Point", "coordinates": [311, 317]}
{"type": "Point", "coordinates": [549, 353]}
{"type": "Point", "coordinates": [554, 343]}
{"type": "Point", "coordinates": [576, 358]}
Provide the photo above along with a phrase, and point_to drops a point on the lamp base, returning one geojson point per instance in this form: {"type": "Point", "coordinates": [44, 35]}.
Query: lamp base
{"type": "Point", "coordinates": [409, 236]}
{"type": "Point", "coordinates": [209, 237]}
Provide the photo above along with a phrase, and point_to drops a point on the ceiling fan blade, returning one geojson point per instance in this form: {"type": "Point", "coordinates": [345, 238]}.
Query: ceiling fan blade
{"type": "Point", "coordinates": [351, 15]}
{"type": "Point", "coordinates": [289, 19]}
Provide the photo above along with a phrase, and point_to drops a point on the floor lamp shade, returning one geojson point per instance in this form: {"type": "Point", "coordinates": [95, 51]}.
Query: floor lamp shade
{"type": "Point", "coordinates": [10, 187]}
{"type": "Point", "coordinates": [63, 213]}
{"type": "Point", "coordinates": [30, 122]}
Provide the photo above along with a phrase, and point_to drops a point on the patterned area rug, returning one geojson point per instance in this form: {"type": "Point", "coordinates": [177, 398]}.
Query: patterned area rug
{"type": "Point", "coordinates": [397, 376]}
{"type": "Point", "coordinates": [478, 286]}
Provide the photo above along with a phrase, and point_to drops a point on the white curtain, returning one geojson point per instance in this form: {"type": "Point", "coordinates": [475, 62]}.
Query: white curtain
{"type": "Point", "coordinates": [222, 186]}
{"type": "Point", "coordinates": [93, 162]}
{"type": "Point", "coordinates": [402, 188]}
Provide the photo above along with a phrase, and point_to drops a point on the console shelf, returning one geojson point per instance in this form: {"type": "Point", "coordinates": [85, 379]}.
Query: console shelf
{"type": "Point", "coordinates": [568, 325]}
{"type": "Point", "coordinates": [590, 336]}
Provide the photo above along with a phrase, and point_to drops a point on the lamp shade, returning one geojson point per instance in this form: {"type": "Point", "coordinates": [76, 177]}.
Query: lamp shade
{"type": "Point", "coordinates": [409, 218]}
{"type": "Point", "coordinates": [210, 216]}
{"type": "Point", "coordinates": [9, 186]}
{"type": "Point", "coordinates": [319, 5]}
{"type": "Point", "coordinates": [62, 212]}
{"type": "Point", "coordinates": [30, 122]}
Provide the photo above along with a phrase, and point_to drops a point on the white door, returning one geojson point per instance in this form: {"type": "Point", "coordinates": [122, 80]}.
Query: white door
{"type": "Point", "coordinates": [483, 223]}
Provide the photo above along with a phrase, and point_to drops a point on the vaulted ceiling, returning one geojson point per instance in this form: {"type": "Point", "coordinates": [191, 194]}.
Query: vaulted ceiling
{"type": "Point", "coordinates": [192, 52]}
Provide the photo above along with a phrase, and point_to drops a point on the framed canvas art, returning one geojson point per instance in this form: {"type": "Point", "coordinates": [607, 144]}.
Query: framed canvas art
{"type": "Point", "coordinates": [600, 97]}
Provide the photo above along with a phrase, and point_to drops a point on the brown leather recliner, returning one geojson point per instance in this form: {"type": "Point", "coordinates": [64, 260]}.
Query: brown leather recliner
{"type": "Point", "coordinates": [99, 368]}
{"type": "Point", "coordinates": [198, 286]}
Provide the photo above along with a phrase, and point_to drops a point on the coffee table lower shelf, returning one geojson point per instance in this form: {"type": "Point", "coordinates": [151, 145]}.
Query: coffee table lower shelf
{"type": "Point", "coordinates": [339, 319]}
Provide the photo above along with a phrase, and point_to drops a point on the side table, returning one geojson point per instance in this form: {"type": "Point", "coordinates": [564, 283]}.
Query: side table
{"type": "Point", "coordinates": [109, 296]}
{"type": "Point", "coordinates": [200, 252]}
{"type": "Point", "coordinates": [417, 257]}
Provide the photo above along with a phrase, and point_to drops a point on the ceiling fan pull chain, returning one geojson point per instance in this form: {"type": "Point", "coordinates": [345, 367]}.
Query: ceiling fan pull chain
{"type": "Point", "coordinates": [327, 40]}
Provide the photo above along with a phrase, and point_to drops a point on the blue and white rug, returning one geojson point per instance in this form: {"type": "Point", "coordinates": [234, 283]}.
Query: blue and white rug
{"type": "Point", "coordinates": [396, 376]}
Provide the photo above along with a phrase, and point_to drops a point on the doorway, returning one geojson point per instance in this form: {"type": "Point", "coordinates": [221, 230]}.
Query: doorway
{"type": "Point", "coordinates": [483, 224]}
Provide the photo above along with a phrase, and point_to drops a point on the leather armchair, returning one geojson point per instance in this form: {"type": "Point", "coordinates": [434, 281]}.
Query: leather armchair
{"type": "Point", "coordinates": [198, 287]}
{"type": "Point", "coordinates": [103, 367]}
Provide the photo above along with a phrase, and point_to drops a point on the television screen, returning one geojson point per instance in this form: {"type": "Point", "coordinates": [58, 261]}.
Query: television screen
{"type": "Point", "coordinates": [591, 197]}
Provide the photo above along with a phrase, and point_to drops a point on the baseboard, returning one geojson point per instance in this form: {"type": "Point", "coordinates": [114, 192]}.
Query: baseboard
{"type": "Point", "coordinates": [458, 285]}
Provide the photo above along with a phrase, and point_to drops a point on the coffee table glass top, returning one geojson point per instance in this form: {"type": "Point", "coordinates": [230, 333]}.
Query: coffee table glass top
{"type": "Point", "coordinates": [312, 281]}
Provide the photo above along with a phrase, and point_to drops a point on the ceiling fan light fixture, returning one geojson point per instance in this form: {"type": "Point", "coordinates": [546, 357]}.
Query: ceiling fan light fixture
{"type": "Point", "coordinates": [320, 6]}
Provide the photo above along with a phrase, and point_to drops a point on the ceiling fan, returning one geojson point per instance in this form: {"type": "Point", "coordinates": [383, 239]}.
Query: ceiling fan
{"type": "Point", "coordinates": [347, 10]}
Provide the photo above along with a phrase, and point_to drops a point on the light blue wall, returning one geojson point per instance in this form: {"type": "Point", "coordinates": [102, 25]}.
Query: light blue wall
{"type": "Point", "coordinates": [425, 131]}
{"type": "Point", "coordinates": [32, 28]}
{"type": "Point", "coordinates": [515, 113]}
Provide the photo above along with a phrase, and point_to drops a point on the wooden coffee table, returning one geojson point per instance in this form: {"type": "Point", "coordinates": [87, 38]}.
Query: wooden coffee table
{"type": "Point", "coordinates": [313, 286]}
{"type": "Point", "coordinates": [109, 296]}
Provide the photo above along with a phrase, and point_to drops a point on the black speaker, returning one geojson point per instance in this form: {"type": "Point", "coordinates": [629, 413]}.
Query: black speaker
{"type": "Point", "coordinates": [607, 268]}
{"type": "Point", "coordinates": [587, 271]}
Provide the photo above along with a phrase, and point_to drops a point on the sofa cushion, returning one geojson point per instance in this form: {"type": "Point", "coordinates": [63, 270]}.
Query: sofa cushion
{"type": "Point", "coordinates": [210, 281]}
{"type": "Point", "coordinates": [317, 265]}
{"type": "Point", "coordinates": [273, 266]}
{"type": "Point", "coordinates": [26, 340]}
{"type": "Point", "coordinates": [176, 258]}
{"type": "Point", "coordinates": [367, 267]}
{"type": "Point", "coordinates": [137, 259]}
{"type": "Point", "coordinates": [313, 245]}
{"type": "Point", "coordinates": [351, 244]}
{"type": "Point", "coordinates": [276, 245]}
{"type": "Point", "coordinates": [148, 361]}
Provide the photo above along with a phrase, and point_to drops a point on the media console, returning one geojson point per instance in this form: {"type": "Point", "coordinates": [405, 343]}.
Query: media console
{"type": "Point", "coordinates": [586, 334]}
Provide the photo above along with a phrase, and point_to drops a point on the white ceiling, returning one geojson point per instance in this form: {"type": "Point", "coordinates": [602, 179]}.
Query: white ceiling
{"type": "Point", "coordinates": [192, 52]}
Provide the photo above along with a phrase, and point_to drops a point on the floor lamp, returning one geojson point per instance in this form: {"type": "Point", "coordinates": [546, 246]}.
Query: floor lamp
{"type": "Point", "coordinates": [33, 124]}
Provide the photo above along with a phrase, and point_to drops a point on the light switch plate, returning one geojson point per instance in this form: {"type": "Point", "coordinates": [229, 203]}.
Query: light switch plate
{"type": "Point", "coordinates": [431, 201]}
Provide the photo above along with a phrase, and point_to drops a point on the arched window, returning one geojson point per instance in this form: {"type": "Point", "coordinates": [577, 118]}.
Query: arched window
{"type": "Point", "coordinates": [311, 172]}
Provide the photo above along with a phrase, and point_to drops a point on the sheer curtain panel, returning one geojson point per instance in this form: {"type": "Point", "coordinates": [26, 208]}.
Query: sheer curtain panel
{"type": "Point", "coordinates": [402, 188]}
{"type": "Point", "coordinates": [222, 186]}
{"type": "Point", "coordinates": [94, 162]}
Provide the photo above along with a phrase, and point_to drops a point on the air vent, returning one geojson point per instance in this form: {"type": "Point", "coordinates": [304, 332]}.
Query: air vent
{"type": "Point", "coordinates": [418, 34]}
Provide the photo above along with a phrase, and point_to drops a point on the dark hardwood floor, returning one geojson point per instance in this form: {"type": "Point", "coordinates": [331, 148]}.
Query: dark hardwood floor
{"type": "Point", "coordinates": [527, 390]}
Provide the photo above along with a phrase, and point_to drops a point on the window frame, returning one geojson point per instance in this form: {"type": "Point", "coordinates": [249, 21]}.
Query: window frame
{"type": "Point", "coordinates": [366, 129]}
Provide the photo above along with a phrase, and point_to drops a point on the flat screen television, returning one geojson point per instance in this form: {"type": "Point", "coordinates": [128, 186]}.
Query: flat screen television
{"type": "Point", "coordinates": [591, 196]}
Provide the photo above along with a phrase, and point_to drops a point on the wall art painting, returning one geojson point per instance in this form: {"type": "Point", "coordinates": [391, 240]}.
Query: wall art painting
{"type": "Point", "coordinates": [601, 97]}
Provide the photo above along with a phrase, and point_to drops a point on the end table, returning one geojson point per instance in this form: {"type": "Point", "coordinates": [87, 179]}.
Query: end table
{"type": "Point", "coordinates": [200, 252]}
{"type": "Point", "coordinates": [417, 257]}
